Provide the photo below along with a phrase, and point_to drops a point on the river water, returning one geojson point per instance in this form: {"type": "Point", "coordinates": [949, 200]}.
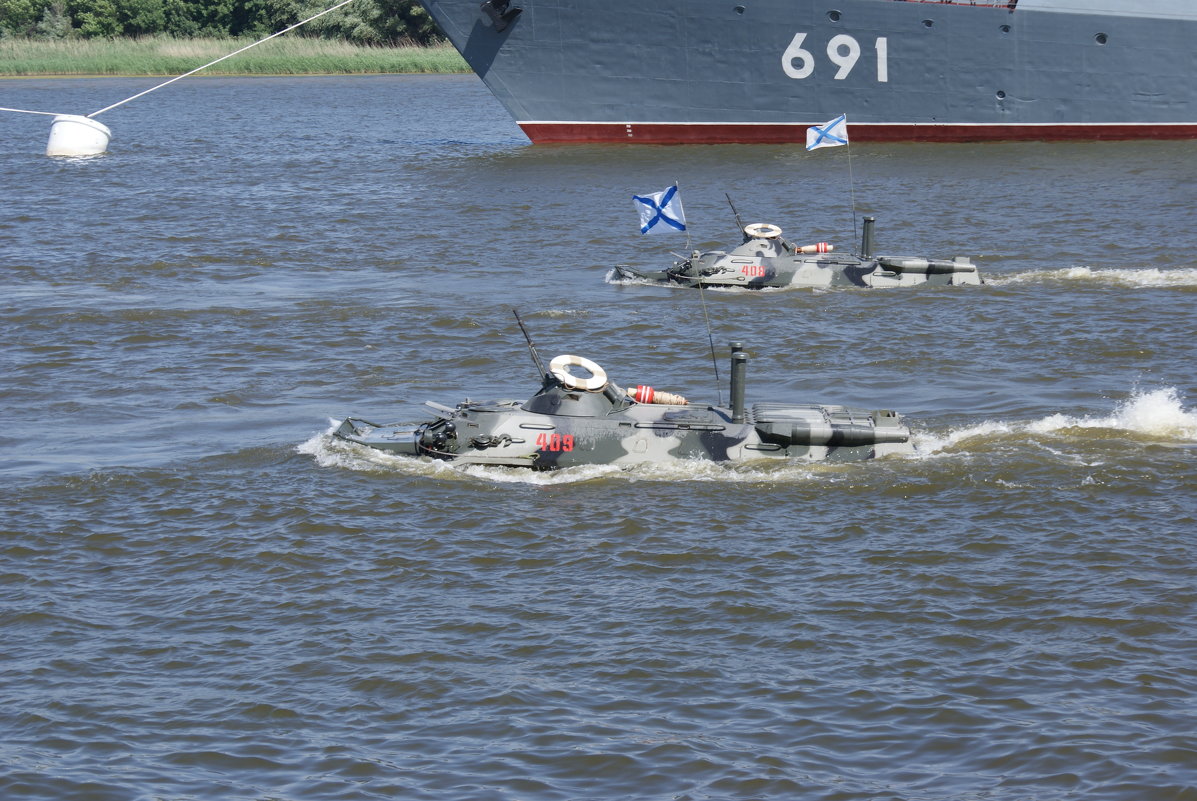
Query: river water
{"type": "Point", "coordinates": [204, 596]}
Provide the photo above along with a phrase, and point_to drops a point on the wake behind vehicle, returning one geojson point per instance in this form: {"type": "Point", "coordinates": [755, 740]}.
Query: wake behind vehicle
{"type": "Point", "coordinates": [765, 259]}
{"type": "Point", "coordinates": [580, 417]}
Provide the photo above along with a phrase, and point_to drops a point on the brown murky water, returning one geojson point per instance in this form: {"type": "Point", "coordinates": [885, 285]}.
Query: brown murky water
{"type": "Point", "coordinates": [205, 597]}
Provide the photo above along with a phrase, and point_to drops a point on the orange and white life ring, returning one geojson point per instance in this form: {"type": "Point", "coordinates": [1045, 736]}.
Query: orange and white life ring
{"type": "Point", "coordinates": [560, 365]}
{"type": "Point", "coordinates": [762, 231]}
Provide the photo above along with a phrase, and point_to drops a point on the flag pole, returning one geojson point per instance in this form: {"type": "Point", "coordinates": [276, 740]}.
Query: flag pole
{"type": "Point", "coordinates": [678, 184]}
{"type": "Point", "coordinates": [851, 186]}
{"type": "Point", "coordinates": [711, 340]}
{"type": "Point", "coordinates": [818, 136]}
{"type": "Point", "coordinates": [703, 298]}
{"type": "Point", "coordinates": [651, 202]}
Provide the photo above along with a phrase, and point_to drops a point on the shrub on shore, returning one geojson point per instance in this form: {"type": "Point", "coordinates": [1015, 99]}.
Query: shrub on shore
{"type": "Point", "coordinates": [163, 55]}
{"type": "Point", "coordinates": [369, 22]}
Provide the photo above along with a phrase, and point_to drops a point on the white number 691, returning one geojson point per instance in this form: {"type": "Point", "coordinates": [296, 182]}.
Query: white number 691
{"type": "Point", "coordinates": [843, 51]}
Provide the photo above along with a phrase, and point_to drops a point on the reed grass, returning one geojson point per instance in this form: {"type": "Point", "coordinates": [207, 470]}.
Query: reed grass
{"type": "Point", "coordinates": [168, 56]}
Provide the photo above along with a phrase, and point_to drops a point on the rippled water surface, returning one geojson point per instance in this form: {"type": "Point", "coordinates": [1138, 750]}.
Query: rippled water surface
{"type": "Point", "coordinates": [204, 596]}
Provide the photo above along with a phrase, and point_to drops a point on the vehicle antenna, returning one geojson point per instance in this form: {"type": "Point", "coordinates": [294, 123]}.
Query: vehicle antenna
{"type": "Point", "coordinates": [531, 347]}
{"type": "Point", "coordinates": [710, 339]}
{"type": "Point", "coordinates": [739, 222]}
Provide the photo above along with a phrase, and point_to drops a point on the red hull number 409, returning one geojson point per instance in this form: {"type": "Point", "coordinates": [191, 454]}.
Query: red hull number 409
{"type": "Point", "coordinates": [554, 442]}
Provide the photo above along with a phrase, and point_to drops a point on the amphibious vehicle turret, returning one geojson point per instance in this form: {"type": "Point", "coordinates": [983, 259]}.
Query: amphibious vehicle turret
{"type": "Point", "coordinates": [580, 417]}
{"type": "Point", "coordinates": [765, 259]}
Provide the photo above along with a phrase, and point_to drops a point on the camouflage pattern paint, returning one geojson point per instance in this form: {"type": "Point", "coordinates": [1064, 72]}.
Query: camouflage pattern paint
{"type": "Point", "coordinates": [772, 261]}
{"type": "Point", "coordinates": [562, 427]}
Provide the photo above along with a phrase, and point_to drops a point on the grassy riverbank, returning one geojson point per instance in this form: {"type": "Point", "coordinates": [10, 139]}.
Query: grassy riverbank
{"type": "Point", "coordinates": [166, 56]}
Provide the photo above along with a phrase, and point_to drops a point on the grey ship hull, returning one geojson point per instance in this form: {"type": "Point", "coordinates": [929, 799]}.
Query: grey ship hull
{"type": "Point", "coordinates": [675, 71]}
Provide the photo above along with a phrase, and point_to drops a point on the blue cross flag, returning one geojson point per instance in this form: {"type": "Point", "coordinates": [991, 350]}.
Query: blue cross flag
{"type": "Point", "coordinates": [831, 134]}
{"type": "Point", "coordinates": [661, 212]}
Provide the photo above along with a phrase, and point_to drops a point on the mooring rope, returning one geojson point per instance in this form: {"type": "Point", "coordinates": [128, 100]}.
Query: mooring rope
{"type": "Point", "coordinates": [222, 58]}
{"type": "Point", "coordinates": [197, 69]}
{"type": "Point", "coordinates": [27, 111]}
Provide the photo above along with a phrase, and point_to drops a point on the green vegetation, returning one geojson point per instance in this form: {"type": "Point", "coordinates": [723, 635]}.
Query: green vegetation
{"type": "Point", "coordinates": [171, 37]}
{"type": "Point", "coordinates": [161, 55]}
{"type": "Point", "coordinates": [365, 22]}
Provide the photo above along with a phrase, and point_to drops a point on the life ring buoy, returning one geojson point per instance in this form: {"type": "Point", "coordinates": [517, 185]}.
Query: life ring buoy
{"type": "Point", "coordinates": [560, 365]}
{"type": "Point", "coordinates": [762, 231]}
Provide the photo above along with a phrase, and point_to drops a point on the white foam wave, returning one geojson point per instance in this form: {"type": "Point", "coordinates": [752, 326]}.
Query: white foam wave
{"type": "Point", "coordinates": [762, 289]}
{"type": "Point", "coordinates": [328, 451]}
{"type": "Point", "coordinates": [613, 277]}
{"type": "Point", "coordinates": [930, 443]}
{"type": "Point", "coordinates": [667, 472]}
{"type": "Point", "coordinates": [1157, 413]}
{"type": "Point", "coordinates": [1135, 278]}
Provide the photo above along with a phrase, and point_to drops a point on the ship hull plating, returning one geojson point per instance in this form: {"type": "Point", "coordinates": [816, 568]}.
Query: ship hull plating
{"type": "Point", "coordinates": [696, 71]}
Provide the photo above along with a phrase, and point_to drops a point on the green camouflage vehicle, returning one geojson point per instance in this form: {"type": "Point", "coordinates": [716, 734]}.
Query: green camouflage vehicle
{"type": "Point", "coordinates": [765, 259]}
{"type": "Point", "coordinates": [579, 417]}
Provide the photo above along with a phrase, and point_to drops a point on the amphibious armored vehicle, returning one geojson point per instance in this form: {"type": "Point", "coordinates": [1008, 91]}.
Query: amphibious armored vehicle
{"type": "Point", "coordinates": [765, 259]}
{"type": "Point", "coordinates": [580, 417]}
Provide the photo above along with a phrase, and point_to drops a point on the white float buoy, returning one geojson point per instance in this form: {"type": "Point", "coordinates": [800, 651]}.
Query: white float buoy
{"type": "Point", "coordinates": [72, 135]}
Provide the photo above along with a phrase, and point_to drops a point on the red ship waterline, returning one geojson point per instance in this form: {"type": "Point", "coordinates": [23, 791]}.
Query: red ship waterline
{"type": "Point", "coordinates": [761, 134]}
{"type": "Point", "coordinates": [762, 71]}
